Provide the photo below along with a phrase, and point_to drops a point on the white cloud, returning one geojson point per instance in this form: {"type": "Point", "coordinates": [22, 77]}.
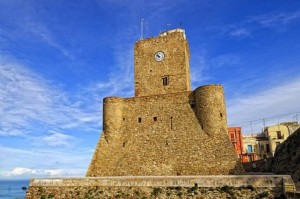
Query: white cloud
{"type": "Point", "coordinates": [26, 98]}
{"type": "Point", "coordinates": [241, 32]}
{"type": "Point", "coordinates": [274, 104]}
{"type": "Point", "coordinates": [275, 19]}
{"type": "Point", "coordinates": [58, 139]}
{"type": "Point", "coordinates": [21, 171]}
{"type": "Point", "coordinates": [43, 162]}
{"type": "Point", "coordinates": [246, 27]}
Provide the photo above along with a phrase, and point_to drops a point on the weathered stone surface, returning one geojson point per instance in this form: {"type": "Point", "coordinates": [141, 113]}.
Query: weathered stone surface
{"type": "Point", "coordinates": [154, 192]}
{"type": "Point", "coordinates": [287, 157]}
{"type": "Point", "coordinates": [165, 129]}
{"type": "Point", "coordinates": [160, 187]}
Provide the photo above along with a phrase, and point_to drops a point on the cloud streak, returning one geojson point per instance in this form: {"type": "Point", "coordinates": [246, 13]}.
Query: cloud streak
{"type": "Point", "coordinates": [43, 162]}
{"type": "Point", "coordinates": [245, 28]}
{"type": "Point", "coordinates": [265, 104]}
{"type": "Point", "coordinates": [26, 98]}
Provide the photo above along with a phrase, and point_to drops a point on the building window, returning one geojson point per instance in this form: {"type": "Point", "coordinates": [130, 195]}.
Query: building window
{"type": "Point", "coordinates": [140, 119]}
{"type": "Point", "coordinates": [249, 148]}
{"type": "Point", "coordinates": [155, 119]}
{"type": "Point", "coordinates": [221, 115]}
{"type": "Point", "coordinates": [165, 80]}
{"type": "Point", "coordinates": [232, 137]}
{"type": "Point", "coordinates": [268, 148]}
{"type": "Point", "coordinates": [262, 148]}
{"type": "Point", "coordinates": [279, 135]}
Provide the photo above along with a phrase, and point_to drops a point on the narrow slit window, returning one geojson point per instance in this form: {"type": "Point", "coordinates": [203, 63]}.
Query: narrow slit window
{"type": "Point", "coordinates": [140, 119]}
{"type": "Point", "coordinates": [165, 80]}
{"type": "Point", "coordinates": [155, 119]}
{"type": "Point", "coordinates": [221, 115]}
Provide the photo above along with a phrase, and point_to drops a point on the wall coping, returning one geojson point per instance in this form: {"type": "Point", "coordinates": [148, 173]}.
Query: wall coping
{"type": "Point", "coordinates": [168, 181]}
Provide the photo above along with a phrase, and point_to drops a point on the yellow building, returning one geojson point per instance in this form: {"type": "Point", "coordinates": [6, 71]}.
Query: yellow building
{"type": "Point", "coordinates": [249, 148]}
{"type": "Point", "coordinates": [276, 134]}
{"type": "Point", "coordinates": [263, 145]}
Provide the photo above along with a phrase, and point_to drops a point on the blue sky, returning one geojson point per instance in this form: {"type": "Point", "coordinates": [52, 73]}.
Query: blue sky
{"type": "Point", "coordinates": [58, 59]}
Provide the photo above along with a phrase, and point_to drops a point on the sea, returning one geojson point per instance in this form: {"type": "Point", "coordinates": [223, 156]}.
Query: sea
{"type": "Point", "coordinates": [13, 189]}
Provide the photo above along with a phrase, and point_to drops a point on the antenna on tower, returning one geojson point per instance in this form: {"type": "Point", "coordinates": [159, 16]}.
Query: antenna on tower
{"type": "Point", "coordinates": [142, 28]}
{"type": "Point", "coordinates": [168, 24]}
{"type": "Point", "coordinates": [180, 25]}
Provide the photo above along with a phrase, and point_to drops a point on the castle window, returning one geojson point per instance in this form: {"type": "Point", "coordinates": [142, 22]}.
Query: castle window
{"type": "Point", "coordinates": [171, 122]}
{"type": "Point", "coordinates": [221, 115]}
{"type": "Point", "coordinates": [123, 118]}
{"type": "Point", "coordinates": [165, 80]}
{"type": "Point", "coordinates": [155, 119]}
{"type": "Point", "coordinates": [192, 105]}
{"type": "Point", "coordinates": [140, 119]}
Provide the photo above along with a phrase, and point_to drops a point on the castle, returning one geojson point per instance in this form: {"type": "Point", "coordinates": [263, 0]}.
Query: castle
{"type": "Point", "coordinates": [166, 129]}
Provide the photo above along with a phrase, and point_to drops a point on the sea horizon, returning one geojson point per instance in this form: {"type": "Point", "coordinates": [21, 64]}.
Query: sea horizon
{"type": "Point", "coordinates": [13, 188]}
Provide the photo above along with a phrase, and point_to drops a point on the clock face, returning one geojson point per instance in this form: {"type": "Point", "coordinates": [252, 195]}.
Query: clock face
{"type": "Point", "coordinates": [159, 56]}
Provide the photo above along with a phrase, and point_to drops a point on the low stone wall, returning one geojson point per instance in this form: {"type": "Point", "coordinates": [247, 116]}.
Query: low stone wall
{"type": "Point", "coordinates": [160, 187]}
{"type": "Point", "coordinates": [264, 165]}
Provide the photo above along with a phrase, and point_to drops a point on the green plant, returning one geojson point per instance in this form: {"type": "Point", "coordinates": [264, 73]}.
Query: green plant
{"type": "Point", "coordinates": [263, 194]}
{"type": "Point", "coordinates": [156, 191]}
{"type": "Point", "coordinates": [51, 195]}
{"type": "Point", "coordinates": [136, 192]}
{"type": "Point", "coordinates": [225, 188]}
{"type": "Point", "coordinates": [179, 194]}
{"type": "Point", "coordinates": [250, 187]}
{"type": "Point", "coordinates": [43, 196]}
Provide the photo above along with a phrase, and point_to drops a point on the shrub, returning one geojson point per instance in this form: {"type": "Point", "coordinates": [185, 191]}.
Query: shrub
{"type": "Point", "coordinates": [156, 191]}
{"type": "Point", "coordinates": [263, 194]}
{"type": "Point", "coordinates": [250, 187]}
{"type": "Point", "coordinates": [225, 188]}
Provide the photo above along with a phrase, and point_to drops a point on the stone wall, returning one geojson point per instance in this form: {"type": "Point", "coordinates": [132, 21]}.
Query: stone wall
{"type": "Point", "coordinates": [173, 134]}
{"type": "Point", "coordinates": [264, 165]}
{"type": "Point", "coordinates": [160, 187]}
{"type": "Point", "coordinates": [175, 65]}
{"type": "Point", "coordinates": [287, 157]}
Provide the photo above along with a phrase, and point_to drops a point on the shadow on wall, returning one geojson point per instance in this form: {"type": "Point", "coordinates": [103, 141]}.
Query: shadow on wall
{"type": "Point", "coordinates": [237, 170]}
{"type": "Point", "coordinates": [287, 157]}
{"type": "Point", "coordinates": [264, 165]}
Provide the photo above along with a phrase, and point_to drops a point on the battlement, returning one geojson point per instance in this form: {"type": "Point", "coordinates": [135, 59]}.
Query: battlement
{"type": "Point", "coordinates": [165, 33]}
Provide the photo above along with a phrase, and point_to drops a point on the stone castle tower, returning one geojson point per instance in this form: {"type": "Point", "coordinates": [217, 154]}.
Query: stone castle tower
{"type": "Point", "coordinates": [166, 129]}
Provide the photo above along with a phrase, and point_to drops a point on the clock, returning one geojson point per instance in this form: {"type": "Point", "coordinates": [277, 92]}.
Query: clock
{"type": "Point", "coordinates": [159, 56]}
